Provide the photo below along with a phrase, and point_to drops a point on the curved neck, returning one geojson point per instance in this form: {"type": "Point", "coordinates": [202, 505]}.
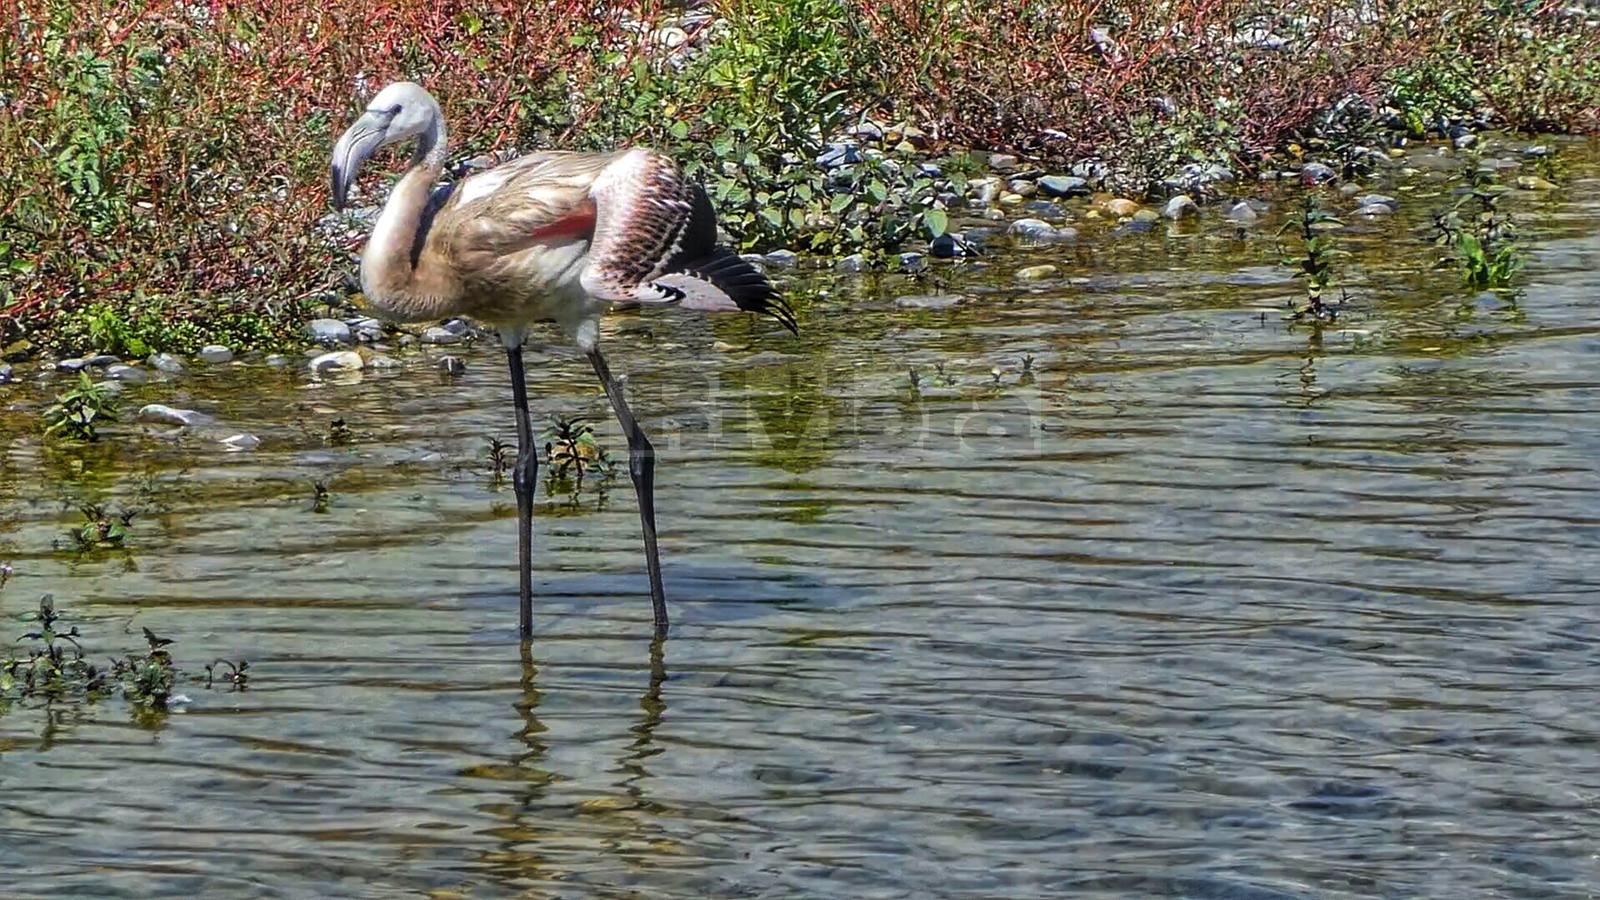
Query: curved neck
{"type": "Point", "coordinates": [395, 280]}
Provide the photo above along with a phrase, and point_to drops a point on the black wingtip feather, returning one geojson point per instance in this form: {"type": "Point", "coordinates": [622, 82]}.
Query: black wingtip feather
{"type": "Point", "coordinates": [743, 283]}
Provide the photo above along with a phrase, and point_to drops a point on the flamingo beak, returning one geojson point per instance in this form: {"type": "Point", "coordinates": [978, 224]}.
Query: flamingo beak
{"type": "Point", "coordinates": [354, 147]}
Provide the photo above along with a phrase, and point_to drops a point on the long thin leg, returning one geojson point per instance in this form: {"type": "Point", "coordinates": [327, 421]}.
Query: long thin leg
{"type": "Point", "coordinates": [524, 479]}
{"type": "Point", "coordinates": [642, 466]}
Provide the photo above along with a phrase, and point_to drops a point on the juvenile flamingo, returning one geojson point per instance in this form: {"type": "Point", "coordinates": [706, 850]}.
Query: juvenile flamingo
{"type": "Point", "coordinates": [548, 237]}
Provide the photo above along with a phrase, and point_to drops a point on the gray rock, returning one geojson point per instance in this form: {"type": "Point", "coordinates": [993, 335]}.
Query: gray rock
{"type": "Point", "coordinates": [457, 326]}
{"type": "Point", "coordinates": [5, 373]}
{"type": "Point", "coordinates": [161, 414]}
{"type": "Point", "coordinates": [1064, 185]}
{"type": "Point", "coordinates": [1002, 162]}
{"type": "Point", "coordinates": [1032, 228]}
{"type": "Point", "coordinates": [1378, 199]}
{"type": "Point", "coordinates": [1316, 173]}
{"type": "Point", "coordinates": [1181, 207]}
{"type": "Point", "coordinates": [984, 190]}
{"type": "Point", "coordinates": [379, 361]}
{"type": "Point", "coordinates": [1537, 151]}
{"type": "Point", "coordinates": [437, 335]}
{"type": "Point", "coordinates": [366, 329]}
{"type": "Point", "coordinates": [928, 301]}
{"type": "Point", "coordinates": [71, 365]}
{"type": "Point", "coordinates": [240, 441]}
{"type": "Point", "coordinates": [782, 259]}
{"type": "Point", "coordinates": [1022, 187]}
{"type": "Point", "coordinates": [451, 365]}
{"type": "Point", "coordinates": [1433, 162]}
{"type": "Point", "coordinates": [102, 360]}
{"type": "Point", "coordinates": [1216, 173]}
{"type": "Point", "coordinates": [840, 155]}
{"type": "Point", "coordinates": [329, 331]}
{"type": "Point", "coordinates": [1045, 209]}
{"type": "Point", "coordinates": [912, 261]}
{"type": "Point", "coordinates": [216, 354]}
{"type": "Point", "coordinates": [1376, 209]}
{"type": "Point", "coordinates": [338, 360]}
{"type": "Point", "coordinates": [1242, 213]}
{"type": "Point", "coordinates": [947, 246]}
{"type": "Point", "coordinates": [929, 170]}
{"type": "Point", "coordinates": [277, 360]}
{"type": "Point", "coordinates": [1146, 216]}
{"type": "Point", "coordinates": [1036, 273]}
{"type": "Point", "coordinates": [1466, 140]}
{"type": "Point", "coordinates": [1349, 189]}
{"type": "Point", "coordinates": [128, 374]}
{"type": "Point", "coordinates": [166, 362]}
{"type": "Point", "coordinates": [855, 262]}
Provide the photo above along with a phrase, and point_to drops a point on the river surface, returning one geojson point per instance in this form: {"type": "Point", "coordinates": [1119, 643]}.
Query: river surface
{"type": "Point", "coordinates": [1199, 603]}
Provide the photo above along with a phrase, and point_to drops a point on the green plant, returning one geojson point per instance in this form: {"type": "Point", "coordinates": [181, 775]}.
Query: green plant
{"type": "Point", "coordinates": [1313, 226]}
{"type": "Point", "coordinates": [101, 528]}
{"type": "Point", "coordinates": [499, 458]}
{"type": "Point", "coordinates": [1482, 241]}
{"type": "Point", "coordinates": [79, 413]}
{"type": "Point", "coordinates": [54, 666]}
{"type": "Point", "coordinates": [570, 447]}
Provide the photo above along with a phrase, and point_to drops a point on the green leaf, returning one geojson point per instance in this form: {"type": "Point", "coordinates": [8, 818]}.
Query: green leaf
{"type": "Point", "coordinates": [840, 201]}
{"type": "Point", "coordinates": [877, 190]}
{"type": "Point", "coordinates": [937, 221]}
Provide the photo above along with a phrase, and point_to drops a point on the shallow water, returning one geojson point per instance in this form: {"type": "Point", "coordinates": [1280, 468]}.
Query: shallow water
{"type": "Point", "coordinates": [1204, 606]}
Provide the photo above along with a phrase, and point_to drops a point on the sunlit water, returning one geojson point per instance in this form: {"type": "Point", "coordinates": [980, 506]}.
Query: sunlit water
{"type": "Point", "coordinates": [1204, 605]}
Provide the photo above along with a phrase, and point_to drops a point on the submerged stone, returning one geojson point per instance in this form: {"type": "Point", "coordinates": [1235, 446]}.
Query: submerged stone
{"type": "Point", "coordinates": [336, 361]}
{"type": "Point", "coordinates": [216, 353]}
{"type": "Point", "coordinates": [1036, 273]}
{"type": "Point", "coordinates": [161, 414]}
{"type": "Point", "coordinates": [127, 374]}
{"type": "Point", "coordinates": [928, 301]}
{"type": "Point", "coordinates": [168, 363]}
{"type": "Point", "coordinates": [1242, 213]}
{"type": "Point", "coordinates": [437, 335]}
{"type": "Point", "coordinates": [855, 262]}
{"type": "Point", "coordinates": [451, 365]}
{"type": "Point", "coordinates": [1181, 207]}
{"type": "Point", "coordinates": [240, 441]}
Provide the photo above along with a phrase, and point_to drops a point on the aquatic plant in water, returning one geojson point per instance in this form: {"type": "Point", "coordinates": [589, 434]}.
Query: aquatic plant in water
{"type": "Point", "coordinates": [571, 448]}
{"type": "Point", "coordinates": [78, 413]}
{"type": "Point", "coordinates": [1313, 226]}
{"type": "Point", "coordinates": [1483, 243]}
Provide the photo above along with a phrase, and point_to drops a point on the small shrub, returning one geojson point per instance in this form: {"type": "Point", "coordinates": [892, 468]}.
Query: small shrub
{"type": "Point", "coordinates": [1312, 226]}
{"type": "Point", "coordinates": [1482, 241]}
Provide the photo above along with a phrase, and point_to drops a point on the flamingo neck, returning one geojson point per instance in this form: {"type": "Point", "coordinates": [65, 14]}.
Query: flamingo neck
{"type": "Point", "coordinates": [397, 284]}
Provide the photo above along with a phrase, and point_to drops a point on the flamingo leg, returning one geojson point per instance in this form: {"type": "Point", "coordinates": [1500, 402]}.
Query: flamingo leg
{"type": "Point", "coordinates": [642, 466]}
{"type": "Point", "coordinates": [524, 480]}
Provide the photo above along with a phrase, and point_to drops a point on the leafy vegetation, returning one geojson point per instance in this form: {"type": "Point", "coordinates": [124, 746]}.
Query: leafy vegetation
{"type": "Point", "coordinates": [1482, 241]}
{"type": "Point", "coordinates": [79, 413]}
{"type": "Point", "coordinates": [572, 451]}
{"type": "Point", "coordinates": [1313, 226]}
{"type": "Point", "coordinates": [166, 161]}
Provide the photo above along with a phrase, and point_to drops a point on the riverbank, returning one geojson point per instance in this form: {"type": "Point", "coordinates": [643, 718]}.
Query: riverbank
{"type": "Point", "coordinates": [179, 201]}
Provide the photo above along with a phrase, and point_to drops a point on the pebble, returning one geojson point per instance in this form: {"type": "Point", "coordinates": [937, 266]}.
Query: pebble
{"type": "Point", "coordinates": [5, 373]}
{"type": "Point", "coordinates": [1120, 206]}
{"type": "Point", "coordinates": [102, 360]}
{"type": "Point", "coordinates": [451, 365]}
{"type": "Point", "coordinates": [984, 190]}
{"type": "Point", "coordinates": [1349, 189]}
{"type": "Point", "coordinates": [1064, 185]}
{"type": "Point", "coordinates": [71, 365]}
{"type": "Point", "coordinates": [723, 347]}
{"type": "Point", "coordinates": [329, 331]}
{"type": "Point", "coordinates": [241, 441]}
{"type": "Point", "coordinates": [1146, 217]}
{"type": "Point", "coordinates": [1002, 162]}
{"type": "Point", "coordinates": [1379, 199]}
{"type": "Point", "coordinates": [913, 261]}
{"type": "Point", "coordinates": [366, 329]}
{"type": "Point", "coordinates": [216, 353]}
{"type": "Point", "coordinates": [855, 262]}
{"type": "Point", "coordinates": [1181, 206]}
{"type": "Point", "coordinates": [1242, 213]}
{"type": "Point", "coordinates": [1376, 209]}
{"type": "Point", "coordinates": [434, 334]}
{"type": "Point", "coordinates": [337, 360]}
{"type": "Point", "coordinates": [129, 374]}
{"type": "Point", "coordinates": [947, 246]}
{"type": "Point", "coordinates": [457, 326]}
{"type": "Point", "coordinates": [783, 259]}
{"type": "Point", "coordinates": [840, 155]}
{"type": "Point", "coordinates": [928, 301]}
{"type": "Point", "coordinates": [1464, 141]}
{"type": "Point", "coordinates": [379, 361]}
{"type": "Point", "coordinates": [1022, 187]}
{"type": "Point", "coordinates": [161, 414]}
{"type": "Point", "coordinates": [1010, 198]}
{"type": "Point", "coordinates": [1045, 209]}
{"type": "Point", "coordinates": [1316, 173]}
{"type": "Point", "coordinates": [166, 362]}
{"type": "Point", "coordinates": [1536, 151]}
{"type": "Point", "coordinates": [276, 360]}
{"type": "Point", "coordinates": [1535, 183]}
{"type": "Point", "coordinates": [1032, 228]}
{"type": "Point", "coordinates": [1036, 273]}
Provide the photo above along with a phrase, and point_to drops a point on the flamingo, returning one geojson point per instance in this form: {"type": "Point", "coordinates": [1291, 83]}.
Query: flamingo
{"type": "Point", "coordinates": [552, 236]}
